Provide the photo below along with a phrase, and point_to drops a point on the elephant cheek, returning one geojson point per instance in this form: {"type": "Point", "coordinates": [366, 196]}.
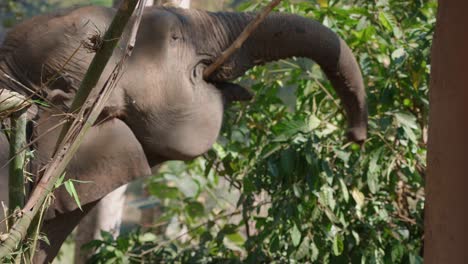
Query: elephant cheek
{"type": "Point", "coordinates": [187, 136]}
{"type": "Point", "coordinates": [199, 134]}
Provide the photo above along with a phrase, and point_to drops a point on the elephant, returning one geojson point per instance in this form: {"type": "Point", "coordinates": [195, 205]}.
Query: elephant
{"type": "Point", "coordinates": [162, 108]}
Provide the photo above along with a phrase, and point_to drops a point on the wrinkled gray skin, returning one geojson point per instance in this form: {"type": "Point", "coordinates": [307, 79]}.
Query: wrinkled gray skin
{"type": "Point", "coordinates": [162, 109]}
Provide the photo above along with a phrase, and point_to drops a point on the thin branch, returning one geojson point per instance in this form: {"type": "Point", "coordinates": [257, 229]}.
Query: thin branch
{"type": "Point", "coordinates": [33, 93]}
{"type": "Point", "coordinates": [237, 44]}
{"type": "Point", "coordinates": [131, 43]}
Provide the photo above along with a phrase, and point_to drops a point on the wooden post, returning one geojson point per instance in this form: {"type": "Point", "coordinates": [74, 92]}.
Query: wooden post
{"type": "Point", "coordinates": [446, 210]}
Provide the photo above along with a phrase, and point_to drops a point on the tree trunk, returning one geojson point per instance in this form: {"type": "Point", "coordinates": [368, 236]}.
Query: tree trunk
{"type": "Point", "coordinates": [446, 211]}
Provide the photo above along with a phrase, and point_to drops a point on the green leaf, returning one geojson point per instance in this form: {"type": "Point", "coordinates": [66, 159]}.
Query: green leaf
{"type": "Point", "coordinates": [356, 237]}
{"type": "Point", "coordinates": [237, 238]}
{"type": "Point", "coordinates": [358, 197]}
{"type": "Point", "coordinates": [297, 190]}
{"type": "Point", "coordinates": [338, 245]}
{"type": "Point", "coordinates": [195, 209]}
{"type": "Point", "coordinates": [107, 236]}
{"type": "Point", "coordinates": [398, 252]}
{"type": "Point", "coordinates": [374, 172]}
{"type": "Point", "coordinates": [405, 119]}
{"type": "Point", "coordinates": [389, 22]}
{"type": "Point", "coordinates": [148, 237]}
{"type": "Point", "coordinates": [60, 180]}
{"type": "Point", "coordinates": [344, 190]}
{"type": "Point", "coordinates": [415, 259]}
{"type": "Point", "coordinates": [343, 155]}
{"type": "Point", "coordinates": [314, 122]}
{"type": "Point", "coordinates": [162, 191]}
{"type": "Point", "coordinates": [315, 252]}
{"type": "Point", "coordinates": [410, 135]}
{"type": "Point", "coordinates": [295, 235]}
{"type": "Point", "coordinates": [72, 192]}
{"type": "Point", "coordinates": [385, 21]}
{"type": "Point", "coordinates": [398, 55]}
{"type": "Point", "coordinates": [303, 250]}
{"type": "Point", "coordinates": [289, 128]}
{"type": "Point", "coordinates": [287, 160]}
{"type": "Point", "coordinates": [326, 197]}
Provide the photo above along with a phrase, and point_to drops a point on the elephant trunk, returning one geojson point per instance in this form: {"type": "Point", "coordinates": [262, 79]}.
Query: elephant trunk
{"type": "Point", "coordinates": [283, 36]}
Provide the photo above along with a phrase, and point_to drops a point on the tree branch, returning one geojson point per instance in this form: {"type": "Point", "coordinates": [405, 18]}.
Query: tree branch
{"type": "Point", "coordinates": [237, 44]}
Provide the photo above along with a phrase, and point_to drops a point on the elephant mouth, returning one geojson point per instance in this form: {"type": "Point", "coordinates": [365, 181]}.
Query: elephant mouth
{"type": "Point", "coordinates": [234, 92]}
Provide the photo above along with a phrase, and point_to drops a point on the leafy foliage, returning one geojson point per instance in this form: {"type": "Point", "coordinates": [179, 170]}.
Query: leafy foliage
{"type": "Point", "coordinates": [281, 185]}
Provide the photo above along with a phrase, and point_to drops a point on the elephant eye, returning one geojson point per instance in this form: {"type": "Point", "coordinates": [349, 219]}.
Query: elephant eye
{"type": "Point", "coordinates": [197, 72]}
{"type": "Point", "coordinates": [176, 35]}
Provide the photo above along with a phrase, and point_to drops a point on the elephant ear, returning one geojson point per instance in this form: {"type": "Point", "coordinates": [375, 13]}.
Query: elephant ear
{"type": "Point", "coordinates": [108, 157]}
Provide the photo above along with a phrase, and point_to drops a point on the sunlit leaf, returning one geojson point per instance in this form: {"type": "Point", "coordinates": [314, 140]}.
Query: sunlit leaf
{"type": "Point", "coordinates": [338, 245]}
{"type": "Point", "coordinates": [295, 235]}
{"type": "Point", "coordinates": [72, 192]}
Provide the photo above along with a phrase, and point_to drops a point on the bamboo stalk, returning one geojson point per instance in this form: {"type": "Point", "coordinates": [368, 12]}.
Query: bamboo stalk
{"type": "Point", "coordinates": [15, 105]}
{"type": "Point", "coordinates": [18, 155]}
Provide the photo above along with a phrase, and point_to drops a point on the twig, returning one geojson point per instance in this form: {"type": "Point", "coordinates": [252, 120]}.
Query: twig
{"type": "Point", "coordinates": [75, 131]}
{"type": "Point", "coordinates": [33, 93]}
{"type": "Point", "coordinates": [240, 40]}
{"type": "Point", "coordinates": [131, 43]}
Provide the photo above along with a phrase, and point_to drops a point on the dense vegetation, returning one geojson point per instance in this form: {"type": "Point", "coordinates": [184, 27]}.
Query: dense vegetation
{"type": "Point", "coordinates": [282, 185]}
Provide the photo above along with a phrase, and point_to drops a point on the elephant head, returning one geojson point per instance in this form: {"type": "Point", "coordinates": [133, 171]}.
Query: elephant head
{"type": "Point", "coordinates": [176, 114]}
{"type": "Point", "coordinates": [163, 108]}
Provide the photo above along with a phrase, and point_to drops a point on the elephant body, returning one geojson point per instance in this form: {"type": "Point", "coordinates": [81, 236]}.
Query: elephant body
{"type": "Point", "coordinates": [162, 108]}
